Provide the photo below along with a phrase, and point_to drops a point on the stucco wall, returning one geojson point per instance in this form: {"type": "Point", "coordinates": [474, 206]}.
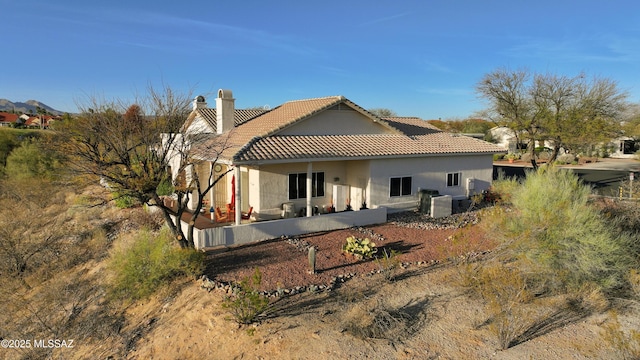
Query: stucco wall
{"type": "Point", "coordinates": [266, 230]}
{"type": "Point", "coordinates": [272, 188]}
{"type": "Point", "coordinates": [336, 122]}
{"type": "Point", "coordinates": [199, 126]}
{"type": "Point", "coordinates": [428, 173]}
{"type": "Point", "coordinates": [369, 179]}
{"type": "Point", "coordinates": [269, 185]}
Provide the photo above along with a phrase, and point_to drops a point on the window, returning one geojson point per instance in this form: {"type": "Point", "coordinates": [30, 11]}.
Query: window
{"type": "Point", "coordinates": [298, 185]}
{"type": "Point", "coordinates": [453, 179]}
{"type": "Point", "coordinates": [400, 186]}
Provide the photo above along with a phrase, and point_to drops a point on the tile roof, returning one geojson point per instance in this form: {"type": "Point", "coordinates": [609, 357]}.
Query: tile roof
{"type": "Point", "coordinates": [360, 146]}
{"type": "Point", "coordinates": [257, 139]}
{"type": "Point", "coordinates": [210, 116]}
{"type": "Point", "coordinates": [283, 116]}
{"type": "Point", "coordinates": [6, 117]}
{"type": "Point", "coordinates": [412, 125]}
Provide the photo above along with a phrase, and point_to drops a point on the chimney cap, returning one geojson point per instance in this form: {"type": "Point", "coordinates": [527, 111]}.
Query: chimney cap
{"type": "Point", "coordinates": [225, 94]}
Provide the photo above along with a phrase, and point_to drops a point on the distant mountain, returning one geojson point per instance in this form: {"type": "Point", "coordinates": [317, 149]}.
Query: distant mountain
{"type": "Point", "coordinates": [27, 107]}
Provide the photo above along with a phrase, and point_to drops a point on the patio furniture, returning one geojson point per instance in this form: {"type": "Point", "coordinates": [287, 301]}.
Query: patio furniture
{"type": "Point", "coordinates": [247, 215]}
{"type": "Point", "coordinates": [221, 217]}
{"type": "Point", "coordinates": [231, 212]}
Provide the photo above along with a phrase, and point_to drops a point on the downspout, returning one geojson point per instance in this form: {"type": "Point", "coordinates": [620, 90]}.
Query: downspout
{"type": "Point", "coordinates": [309, 185]}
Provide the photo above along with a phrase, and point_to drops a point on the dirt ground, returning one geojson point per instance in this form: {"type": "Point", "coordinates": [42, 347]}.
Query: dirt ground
{"type": "Point", "coordinates": [444, 324]}
{"type": "Point", "coordinates": [421, 314]}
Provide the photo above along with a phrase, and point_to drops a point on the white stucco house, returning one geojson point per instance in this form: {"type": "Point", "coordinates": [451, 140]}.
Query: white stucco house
{"type": "Point", "coordinates": [305, 155]}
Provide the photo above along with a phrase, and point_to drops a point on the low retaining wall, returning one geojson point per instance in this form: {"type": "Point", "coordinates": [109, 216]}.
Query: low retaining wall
{"type": "Point", "coordinates": [266, 230]}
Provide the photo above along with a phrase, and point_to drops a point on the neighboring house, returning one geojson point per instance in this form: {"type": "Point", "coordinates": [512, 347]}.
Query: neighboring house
{"type": "Point", "coordinates": [306, 155]}
{"type": "Point", "coordinates": [621, 147]}
{"type": "Point", "coordinates": [39, 121]}
{"type": "Point", "coordinates": [507, 139]}
{"type": "Point", "coordinates": [8, 119]}
{"type": "Point", "coordinates": [624, 147]}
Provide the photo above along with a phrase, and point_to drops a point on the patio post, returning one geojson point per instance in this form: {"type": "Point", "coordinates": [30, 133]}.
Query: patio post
{"type": "Point", "coordinates": [212, 202]}
{"type": "Point", "coordinates": [309, 190]}
{"type": "Point", "coordinates": [237, 196]}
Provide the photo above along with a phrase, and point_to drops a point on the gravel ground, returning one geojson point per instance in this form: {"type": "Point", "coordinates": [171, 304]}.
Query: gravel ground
{"type": "Point", "coordinates": [420, 240]}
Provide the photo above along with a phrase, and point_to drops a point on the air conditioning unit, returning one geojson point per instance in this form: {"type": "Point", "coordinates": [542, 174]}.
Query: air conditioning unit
{"type": "Point", "coordinates": [441, 206]}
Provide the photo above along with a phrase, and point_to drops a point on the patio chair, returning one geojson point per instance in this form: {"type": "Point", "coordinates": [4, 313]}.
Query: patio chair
{"type": "Point", "coordinates": [220, 217]}
{"type": "Point", "coordinates": [247, 215]}
{"type": "Point", "coordinates": [231, 213]}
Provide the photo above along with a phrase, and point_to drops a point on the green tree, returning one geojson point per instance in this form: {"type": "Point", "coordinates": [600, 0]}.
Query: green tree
{"type": "Point", "coordinates": [382, 112]}
{"type": "Point", "coordinates": [570, 112]}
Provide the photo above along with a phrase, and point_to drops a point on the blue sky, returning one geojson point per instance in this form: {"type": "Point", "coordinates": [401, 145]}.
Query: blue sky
{"type": "Point", "coordinates": [417, 58]}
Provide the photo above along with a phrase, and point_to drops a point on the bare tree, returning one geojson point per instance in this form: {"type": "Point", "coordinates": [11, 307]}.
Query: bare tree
{"type": "Point", "coordinates": [131, 149]}
{"type": "Point", "coordinates": [510, 104]}
{"type": "Point", "coordinates": [32, 215]}
{"type": "Point", "coordinates": [569, 112]}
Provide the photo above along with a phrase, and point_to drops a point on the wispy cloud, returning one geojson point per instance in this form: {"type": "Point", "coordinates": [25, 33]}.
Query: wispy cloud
{"type": "Point", "coordinates": [383, 19]}
{"type": "Point", "coordinates": [602, 48]}
{"type": "Point", "coordinates": [334, 71]}
{"type": "Point", "coordinates": [445, 91]}
{"type": "Point", "coordinates": [215, 32]}
{"type": "Point", "coordinates": [433, 66]}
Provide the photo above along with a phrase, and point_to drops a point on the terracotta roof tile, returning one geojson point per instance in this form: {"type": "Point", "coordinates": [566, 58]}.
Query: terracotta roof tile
{"type": "Point", "coordinates": [239, 116]}
{"type": "Point", "coordinates": [257, 139]}
{"type": "Point", "coordinates": [360, 146]}
{"type": "Point", "coordinates": [6, 117]}
{"type": "Point", "coordinates": [412, 125]}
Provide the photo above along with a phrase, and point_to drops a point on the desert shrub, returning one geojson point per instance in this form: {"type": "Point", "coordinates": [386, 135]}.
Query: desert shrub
{"type": "Point", "coordinates": [566, 158]}
{"type": "Point", "coordinates": [149, 262]}
{"type": "Point", "coordinates": [504, 290]}
{"type": "Point", "coordinates": [30, 161]}
{"type": "Point", "coordinates": [544, 155]}
{"type": "Point", "coordinates": [124, 201]}
{"type": "Point", "coordinates": [361, 248]}
{"type": "Point", "coordinates": [513, 156]}
{"type": "Point", "coordinates": [388, 263]}
{"type": "Point", "coordinates": [374, 319]}
{"type": "Point", "coordinates": [504, 187]}
{"type": "Point", "coordinates": [563, 237]}
{"type": "Point", "coordinates": [33, 225]}
{"type": "Point", "coordinates": [634, 282]}
{"type": "Point", "coordinates": [627, 343]}
{"type": "Point", "coordinates": [247, 303]}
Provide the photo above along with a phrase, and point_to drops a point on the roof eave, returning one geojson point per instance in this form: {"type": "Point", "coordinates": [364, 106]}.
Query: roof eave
{"type": "Point", "coordinates": [353, 158]}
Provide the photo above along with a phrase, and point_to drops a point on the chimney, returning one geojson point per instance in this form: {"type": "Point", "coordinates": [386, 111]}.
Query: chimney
{"type": "Point", "coordinates": [225, 108]}
{"type": "Point", "coordinates": [199, 103]}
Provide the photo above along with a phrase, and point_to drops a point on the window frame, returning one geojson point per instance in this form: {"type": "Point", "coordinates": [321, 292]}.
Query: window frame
{"type": "Point", "coordinates": [454, 179]}
{"type": "Point", "coordinates": [402, 190]}
{"type": "Point", "coordinates": [301, 185]}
